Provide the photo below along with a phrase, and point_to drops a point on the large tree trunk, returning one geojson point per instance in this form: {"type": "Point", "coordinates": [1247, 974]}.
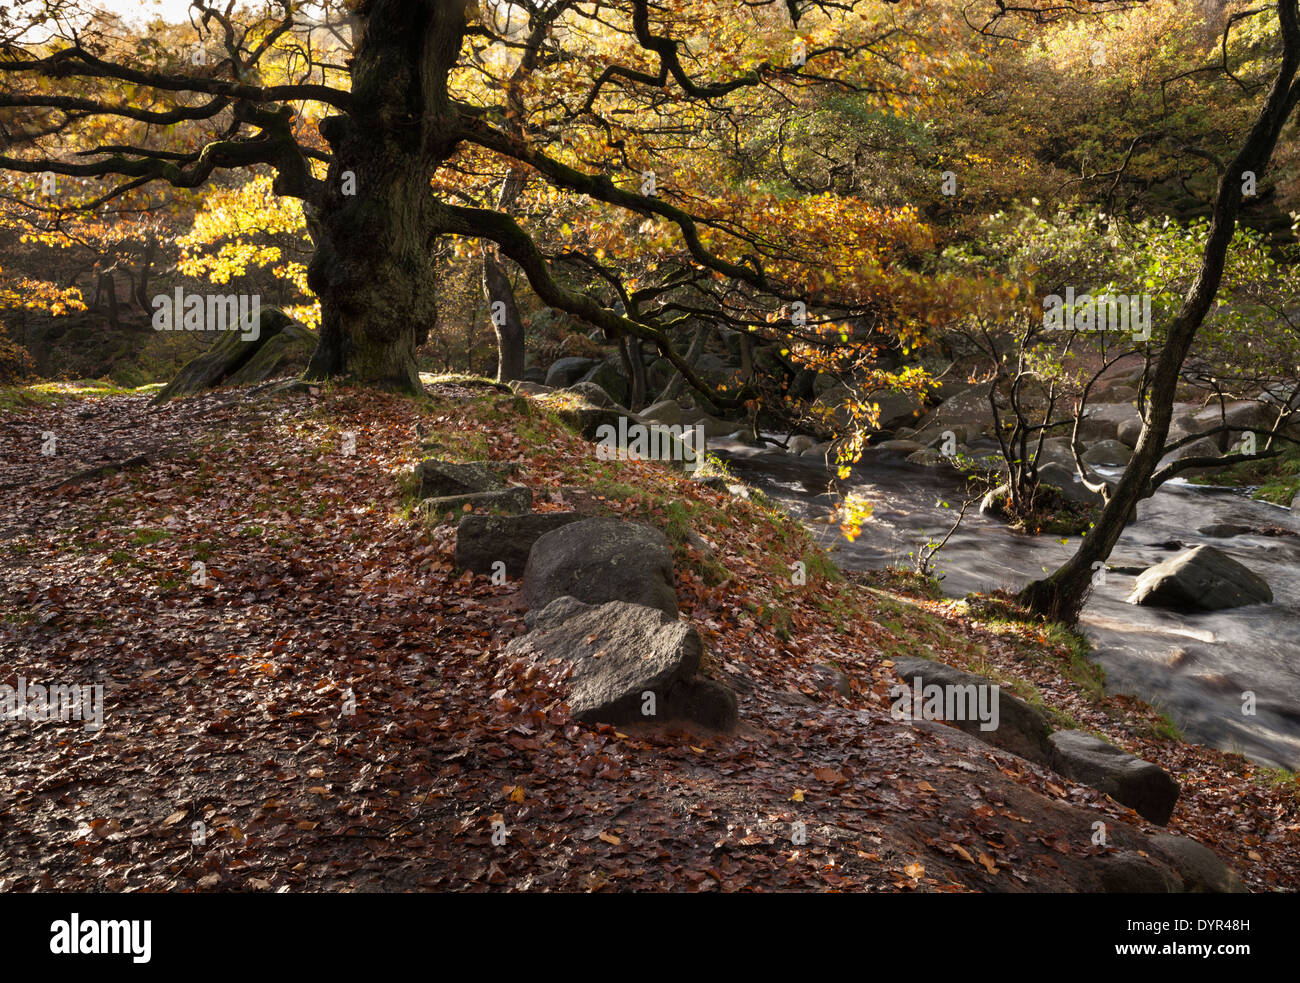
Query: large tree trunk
{"type": "Point", "coordinates": [373, 269]}
{"type": "Point", "coordinates": [1061, 596]}
{"type": "Point", "coordinates": [497, 289]}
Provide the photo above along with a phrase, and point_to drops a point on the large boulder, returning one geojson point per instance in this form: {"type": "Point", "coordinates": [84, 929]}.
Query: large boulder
{"type": "Point", "coordinates": [927, 458]}
{"type": "Point", "coordinates": [1062, 478]}
{"type": "Point", "coordinates": [968, 408]}
{"type": "Point", "coordinates": [714, 427]}
{"type": "Point", "coordinates": [286, 352]}
{"type": "Point", "coordinates": [1142, 786]}
{"type": "Point", "coordinates": [592, 393]}
{"type": "Point", "coordinates": [1201, 579]}
{"type": "Point", "coordinates": [900, 447]}
{"type": "Point", "coordinates": [599, 560]}
{"type": "Point", "coordinates": [610, 379]}
{"type": "Point", "coordinates": [667, 411]}
{"type": "Point", "coordinates": [1204, 447]}
{"type": "Point", "coordinates": [1197, 865]}
{"type": "Point", "coordinates": [566, 371]}
{"type": "Point", "coordinates": [482, 540]}
{"type": "Point", "coordinates": [896, 409]}
{"type": "Point", "coordinates": [1020, 728]}
{"type": "Point", "coordinates": [234, 351]}
{"type": "Point", "coordinates": [631, 664]}
{"type": "Point", "coordinates": [1241, 415]}
{"type": "Point", "coordinates": [1107, 453]}
{"type": "Point", "coordinates": [1101, 421]}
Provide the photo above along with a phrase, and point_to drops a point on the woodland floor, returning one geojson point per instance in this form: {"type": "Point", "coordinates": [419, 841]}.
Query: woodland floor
{"type": "Point", "coordinates": [223, 703]}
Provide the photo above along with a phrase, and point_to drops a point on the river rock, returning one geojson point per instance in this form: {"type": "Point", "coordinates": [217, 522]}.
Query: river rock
{"type": "Point", "coordinates": [903, 447]}
{"type": "Point", "coordinates": [1062, 479]}
{"type": "Point", "coordinates": [927, 458]}
{"type": "Point", "coordinates": [482, 540]}
{"type": "Point", "coordinates": [969, 408]}
{"type": "Point", "coordinates": [1241, 415]}
{"type": "Point", "coordinates": [1101, 421]}
{"type": "Point", "coordinates": [1107, 453]}
{"type": "Point", "coordinates": [668, 412]}
{"type": "Point", "coordinates": [896, 409]}
{"type": "Point", "coordinates": [1021, 729]}
{"type": "Point", "coordinates": [1200, 579]}
{"type": "Point", "coordinates": [713, 427]}
{"type": "Point", "coordinates": [1224, 530]}
{"type": "Point", "coordinates": [602, 559]}
{"type": "Point", "coordinates": [1205, 447]}
{"type": "Point", "coordinates": [621, 653]}
{"type": "Point", "coordinates": [1142, 786]}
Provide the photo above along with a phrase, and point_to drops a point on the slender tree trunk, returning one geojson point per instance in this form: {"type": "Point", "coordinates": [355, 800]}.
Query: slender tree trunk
{"type": "Point", "coordinates": [1061, 596]}
{"type": "Point", "coordinates": [498, 291]}
{"type": "Point", "coordinates": [692, 356]}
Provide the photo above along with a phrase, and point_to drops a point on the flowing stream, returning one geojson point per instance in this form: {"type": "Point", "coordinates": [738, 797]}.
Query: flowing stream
{"type": "Point", "coordinates": [1195, 667]}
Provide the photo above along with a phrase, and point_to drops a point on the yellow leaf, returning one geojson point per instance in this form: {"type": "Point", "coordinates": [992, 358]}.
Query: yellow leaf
{"type": "Point", "coordinates": [914, 871]}
{"type": "Point", "coordinates": [611, 839]}
{"type": "Point", "coordinates": [798, 795]}
{"type": "Point", "coordinates": [517, 794]}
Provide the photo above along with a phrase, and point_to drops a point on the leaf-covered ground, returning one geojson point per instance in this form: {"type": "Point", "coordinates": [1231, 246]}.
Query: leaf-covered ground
{"type": "Point", "coordinates": [330, 709]}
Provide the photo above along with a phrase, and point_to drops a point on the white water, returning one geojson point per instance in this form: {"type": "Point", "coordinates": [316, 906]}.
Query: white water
{"type": "Point", "coordinates": [1195, 667]}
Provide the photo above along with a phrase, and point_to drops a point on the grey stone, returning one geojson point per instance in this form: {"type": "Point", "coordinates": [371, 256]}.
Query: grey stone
{"type": "Point", "coordinates": [610, 379]}
{"type": "Point", "coordinates": [903, 447]}
{"type": "Point", "coordinates": [1107, 453]}
{"type": "Point", "coordinates": [926, 458]}
{"type": "Point", "coordinates": [667, 412]}
{"type": "Point", "coordinates": [1224, 530]}
{"type": "Point", "coordinates": [620, 653]}
{"type": "Point", "coordinates": [599, 560]}
{"type": "Point", "coordinates": [1021, 728]}
{"type": "Point", "coordinates": [1199, 867]}
{"type": "Point", "coordinates": [439, 478]}
{"type": "Point", "coordinates": [566, 371]}
{"type": "Point", "coordinates": [482, 540]}
{"type": "Point", "coordinates": [1204, 447]}
{"type": "Point", "coordinates": [1142, 786]}
{"type": "Point", "coordinates": [1200, 579]}
{"type": "Point", "coordinates": [1059, 477]}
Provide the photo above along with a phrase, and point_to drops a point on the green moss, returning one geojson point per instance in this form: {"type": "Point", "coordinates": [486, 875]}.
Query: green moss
{"type": "Point", "coordinates": [1275, 479]}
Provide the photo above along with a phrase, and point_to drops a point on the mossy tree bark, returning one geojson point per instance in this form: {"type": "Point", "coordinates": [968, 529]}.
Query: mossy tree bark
{"type": "Point", "coordinates": [375, 227]}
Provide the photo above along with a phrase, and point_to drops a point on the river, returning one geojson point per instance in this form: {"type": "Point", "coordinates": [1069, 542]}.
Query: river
{"type": "Point", "coordinates": [1194, 667]}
